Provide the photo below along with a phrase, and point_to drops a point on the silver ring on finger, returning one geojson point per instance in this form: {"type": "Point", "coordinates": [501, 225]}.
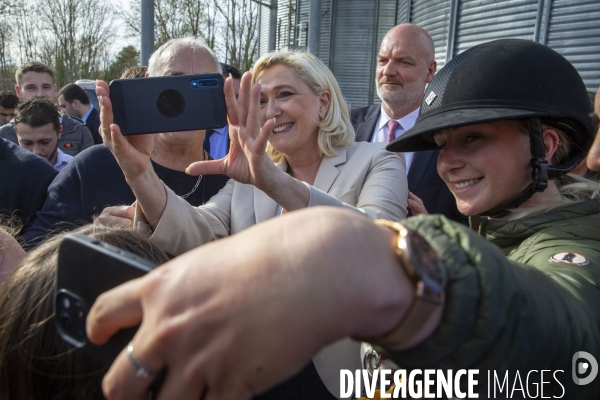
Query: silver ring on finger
{"type": "Point", "coordinates": [141, 369]}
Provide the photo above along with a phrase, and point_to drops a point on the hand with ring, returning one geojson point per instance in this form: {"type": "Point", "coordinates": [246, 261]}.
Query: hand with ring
{"type": "Point", "coordinates": [234, 325]}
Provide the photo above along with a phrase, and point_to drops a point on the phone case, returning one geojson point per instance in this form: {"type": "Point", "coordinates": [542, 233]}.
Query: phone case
{"type": "Point", "coordinates": [86, 269]}
{"type": "Point", "coordinates": [168, 103]}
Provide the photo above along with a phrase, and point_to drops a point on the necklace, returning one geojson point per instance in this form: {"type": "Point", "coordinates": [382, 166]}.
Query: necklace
{"type": "Point", "coordinates": [194, 189]}
{"type": "Point", "coordinates": [185, 196]}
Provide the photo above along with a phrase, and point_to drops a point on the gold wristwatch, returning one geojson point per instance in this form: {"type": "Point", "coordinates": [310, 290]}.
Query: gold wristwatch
{"type": "Point", "coordinates": [423, 266]}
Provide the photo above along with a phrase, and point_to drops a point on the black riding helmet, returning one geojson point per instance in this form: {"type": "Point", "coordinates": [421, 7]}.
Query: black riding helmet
{"type": "Point", "coordinates": [508, 79]}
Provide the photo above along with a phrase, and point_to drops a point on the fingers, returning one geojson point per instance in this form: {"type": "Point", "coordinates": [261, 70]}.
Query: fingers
{"type": "Point", "coordinates": [116, 309]}
{"type": "Point", "coordinates": [253, 118]}
{"type": "Point", "coordinates": [119, 142]}
{"type": "Point", "coordinates": [244, 98]}
{"type": "Point", "coordinates": [120, 211]}
{"type": "Point", "coordinates": [106, 113]}
{"type": "Point", "coordinates": [123, 371]}
{"type": "Point", "coordinates": [119, 216]}
{"type": "Point", "coordinates": [210, 167]}
{"type": "Point", "coordinates": [416, 205]}
{"type": "Point", "coordinates": [231, 102]}
{"type": "Point", "coordinates": [182, 384]}
{"type": "Point", "coordinates": [265, 133]}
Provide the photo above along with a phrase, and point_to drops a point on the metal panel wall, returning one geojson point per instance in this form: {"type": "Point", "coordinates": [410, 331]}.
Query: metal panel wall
{"type": "Point", "coordinates": [263, 38]}
{"type": "Point", "coordinates": [325, 42]}
{"type": "Point", "coordinates": [301, 28]}
{"type": "Point", "coordinates": [481, 21]}
{"type": "Point", "coordinates": [386, 19]}
{"type": "Point", "coordinates": [286, 20]}
{"type": "Point", "coordinates": [402, 11]}
{"type": "Point", "coordinates": [434, 17]}
{"type": "Point", "coordinates": [574, 31]}
{"type": "Point", "coordinates": [351, 55]}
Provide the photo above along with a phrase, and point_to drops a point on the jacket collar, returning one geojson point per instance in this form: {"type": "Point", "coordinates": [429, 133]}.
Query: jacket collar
{"type": "Point", "coordinates": [265, 207]}
{"type": "Point", "coordinates": [509, 233]}
{"type": "Point", "coordinates": [364, 130]}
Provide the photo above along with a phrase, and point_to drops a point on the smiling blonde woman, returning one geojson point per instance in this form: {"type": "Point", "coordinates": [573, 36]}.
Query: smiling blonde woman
{"type": "Point", "coordinates": [292, 147]}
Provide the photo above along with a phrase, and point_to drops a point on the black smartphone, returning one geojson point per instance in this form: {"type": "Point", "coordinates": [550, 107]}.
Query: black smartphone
{"type": "Point", "coordinates": [87, 268]}
{"type": "Point", "coordinates": [169, 103]}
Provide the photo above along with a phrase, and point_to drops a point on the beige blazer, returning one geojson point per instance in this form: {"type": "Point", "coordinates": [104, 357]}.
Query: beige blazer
{"type": "Point", "coordinates": [364, 177]}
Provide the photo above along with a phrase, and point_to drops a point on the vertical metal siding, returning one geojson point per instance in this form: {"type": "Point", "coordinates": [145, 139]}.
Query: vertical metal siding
{"type": "Point", "coordinates": [402, 11]}
{"type": "Point", "coordinates": [386, 19]}
{"type": "Point", "coordinates": [263, 44]}
{"type": "Point", "coordinates": [434, 17]}
{"type": "Point", "coordinates": [286, 18]}
{"type": "Point", "coordinates": [351, 56]}
{"type": "Point", "coordinates": [301, 28]}
{"type": "Point", "coordinates": [574, 31]}
{"type": "Point", "coordinates": [482, 21]}
{"type": "Point", "coordinates": [325, 45]}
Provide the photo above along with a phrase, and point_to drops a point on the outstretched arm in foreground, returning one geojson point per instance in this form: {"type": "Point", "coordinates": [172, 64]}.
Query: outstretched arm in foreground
{"type": "Point", "coordinates": [257, 307]}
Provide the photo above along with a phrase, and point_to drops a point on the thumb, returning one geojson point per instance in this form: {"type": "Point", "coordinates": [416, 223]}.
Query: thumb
{"type": "Point", "coordinates": [210, 167]}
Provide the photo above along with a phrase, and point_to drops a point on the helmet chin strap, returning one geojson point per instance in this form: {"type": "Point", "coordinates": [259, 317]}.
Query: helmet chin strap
{"type": "Point", "coordinates": [539, 172]}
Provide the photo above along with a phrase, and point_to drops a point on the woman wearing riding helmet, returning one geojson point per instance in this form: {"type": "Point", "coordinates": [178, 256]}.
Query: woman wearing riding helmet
{"type": "Point", "coordinates": [511, 117]}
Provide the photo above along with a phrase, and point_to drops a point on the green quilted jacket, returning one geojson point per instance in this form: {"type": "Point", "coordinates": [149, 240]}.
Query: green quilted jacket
{"type": "Point", "coordinates": [522, 295]}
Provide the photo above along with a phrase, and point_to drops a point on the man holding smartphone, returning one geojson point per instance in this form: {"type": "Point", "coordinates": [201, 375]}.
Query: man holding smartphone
{"type": "Point", "coordinates": [93, 184]}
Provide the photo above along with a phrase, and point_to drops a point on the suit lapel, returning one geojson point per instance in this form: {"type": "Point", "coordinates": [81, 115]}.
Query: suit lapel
{"type": "Point", "coordinates": [364, 130]}
{"type": "Point", "coordinates": [328, 171]}
{"type": "Point", "coordinates": [264, 206]}
{"type": "Point", "coordinates": [418, 167]}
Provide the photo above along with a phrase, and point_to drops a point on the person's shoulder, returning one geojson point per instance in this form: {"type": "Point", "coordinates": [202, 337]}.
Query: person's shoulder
{"type": "Point", "coordinates": [98, 153]}
{"type": "Point", "coordinates": [362, 112]}
{"type": "Point", "coordinates": [7, 129]}
{"type": "Point", "coordinates": [366, 148]}
{"type": "Point", "coordinates": [16, 156]}
{"type": "Point", "coordinates": [71, 120]}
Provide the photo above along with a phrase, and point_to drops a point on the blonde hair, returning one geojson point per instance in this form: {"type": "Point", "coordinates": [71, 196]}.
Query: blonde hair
{"type": "Point", "coordinates": [335, 129]}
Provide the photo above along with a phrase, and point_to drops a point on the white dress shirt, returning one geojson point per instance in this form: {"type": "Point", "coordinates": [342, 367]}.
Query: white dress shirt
{"type": "Point", "coordinates": [406, 122]}
{"type": "Point", "coordinates": [62, 160]}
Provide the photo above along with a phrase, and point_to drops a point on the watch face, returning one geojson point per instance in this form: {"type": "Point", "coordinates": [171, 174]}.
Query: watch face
{"type": "Point", "coordinates": [425, 262]}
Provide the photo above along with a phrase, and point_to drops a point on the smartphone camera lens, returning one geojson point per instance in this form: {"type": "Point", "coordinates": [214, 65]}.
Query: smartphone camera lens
{"type": "Point", "coordinates": [204, 82]}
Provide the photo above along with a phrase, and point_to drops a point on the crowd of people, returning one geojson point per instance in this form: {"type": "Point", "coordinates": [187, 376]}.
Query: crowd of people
{"type": "Point", "coordinates": [454, 226]}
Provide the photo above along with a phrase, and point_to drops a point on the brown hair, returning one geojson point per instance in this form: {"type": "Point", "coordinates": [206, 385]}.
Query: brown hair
{"type": "Point", "coordinates": [37, 111]}
{"type": "Point", "coordinates": [135, 72]}
{"type": "Point", "coordinates": [34, 361]}
{"type": "Point", "coordinates": [34, 66]}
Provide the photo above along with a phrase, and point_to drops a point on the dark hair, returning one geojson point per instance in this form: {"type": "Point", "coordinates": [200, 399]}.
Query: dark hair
{"type": "Point", "coordinates": [231, 70]}
{"type": "Point", "coordinates": [8, 99]}
{"type": "Point", "coordinates": [37, 111]}
{"type": "Point", "coordinates": [135, 72]}
{"type": "Point", "coordinates": [34, 361]}
{"type": "Point", "coordinates": [72, 92]}
{"type": "Point", "coordinates": [34, 66]}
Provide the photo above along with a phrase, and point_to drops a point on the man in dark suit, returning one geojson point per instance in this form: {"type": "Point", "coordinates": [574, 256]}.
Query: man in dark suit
{"type": "Point", "coordinates": [405, 64]}
{"type": "Point", "coordinates": [75, 102]}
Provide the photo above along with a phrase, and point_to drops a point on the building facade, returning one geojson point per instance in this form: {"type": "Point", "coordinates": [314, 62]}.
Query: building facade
{"type": "Point", "coordinates": [351, 31]}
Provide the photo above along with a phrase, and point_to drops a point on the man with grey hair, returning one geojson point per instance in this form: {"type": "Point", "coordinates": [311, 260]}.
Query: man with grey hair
{"type": "Point", "coordinates": [405, 65]}
{"type": "Point", "coordinates": [93, 180]}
